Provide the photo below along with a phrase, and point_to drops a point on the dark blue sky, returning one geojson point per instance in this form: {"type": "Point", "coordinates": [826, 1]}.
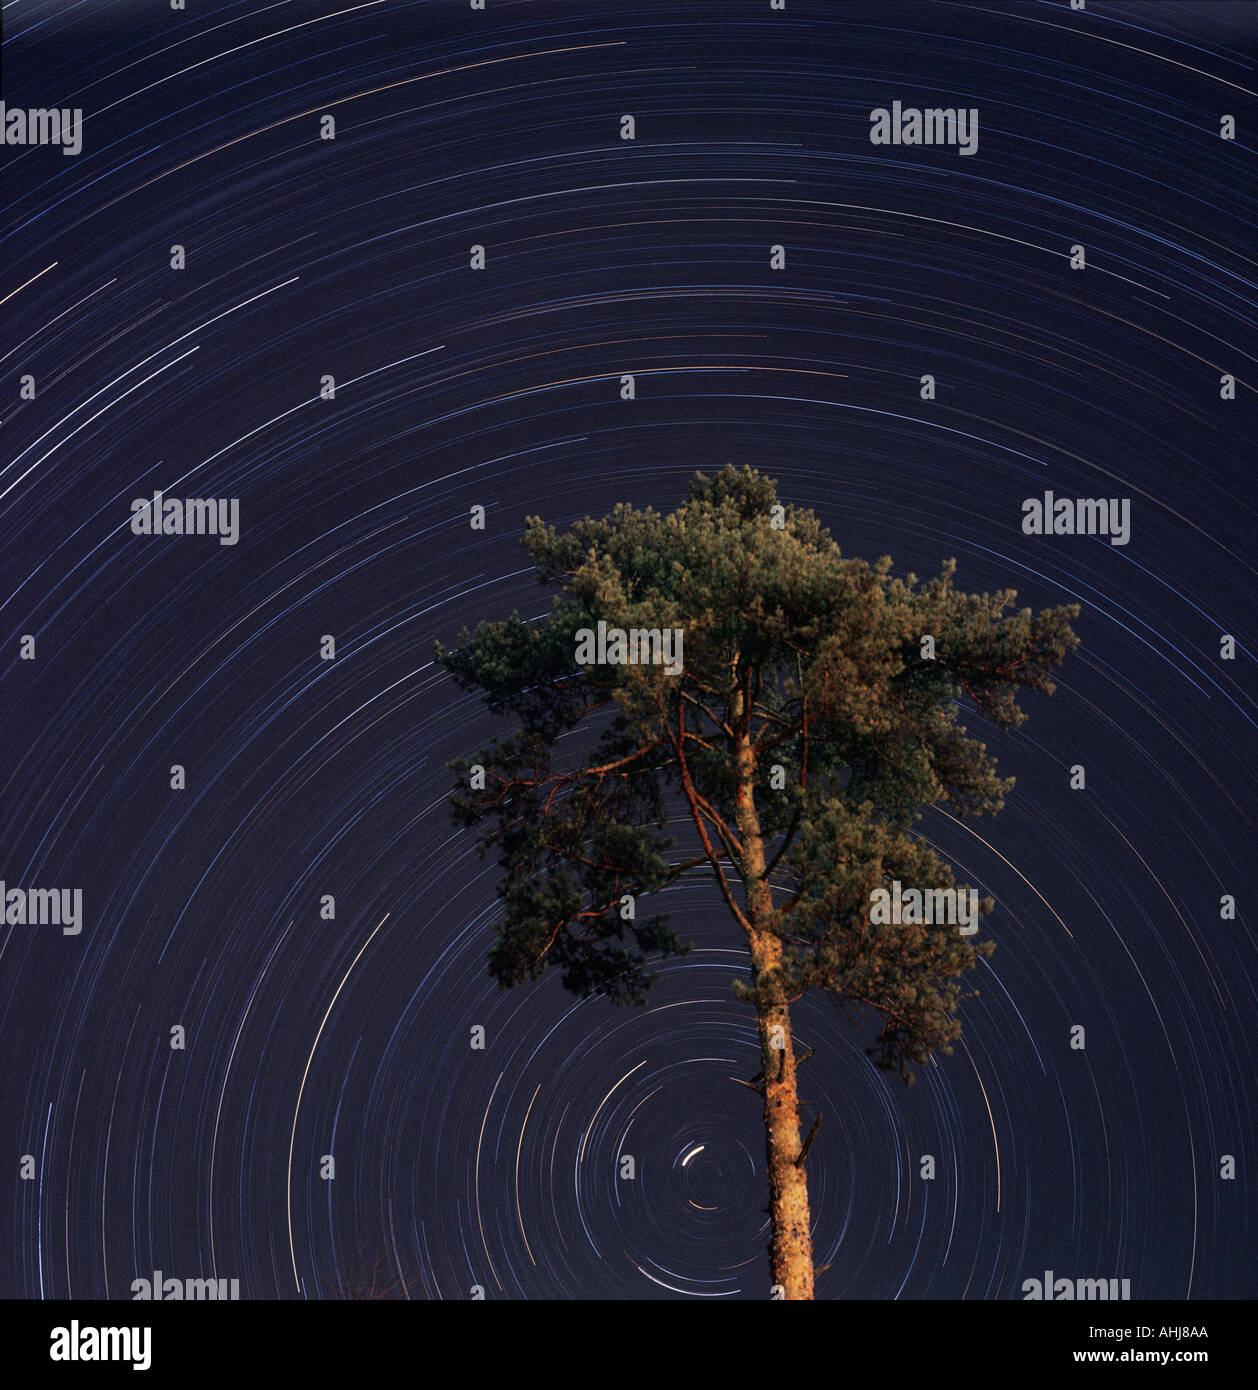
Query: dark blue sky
{"type": "Point", "coordinates": [349, 258]}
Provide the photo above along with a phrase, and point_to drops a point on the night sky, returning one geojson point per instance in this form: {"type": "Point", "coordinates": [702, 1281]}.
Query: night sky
{"type": "Point", "coordinates": [349, 258]}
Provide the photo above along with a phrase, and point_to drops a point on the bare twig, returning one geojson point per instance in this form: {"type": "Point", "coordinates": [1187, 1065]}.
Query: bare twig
{"type": "Point", "coordinates": [812, 1134]}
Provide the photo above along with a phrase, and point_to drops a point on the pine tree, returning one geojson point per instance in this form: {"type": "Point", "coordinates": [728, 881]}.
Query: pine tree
{"type": "Point", "coordinates": [806, 731]}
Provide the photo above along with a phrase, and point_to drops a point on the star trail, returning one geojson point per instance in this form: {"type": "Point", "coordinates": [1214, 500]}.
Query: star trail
{"type": "Point", "coordinates": [362, 269]}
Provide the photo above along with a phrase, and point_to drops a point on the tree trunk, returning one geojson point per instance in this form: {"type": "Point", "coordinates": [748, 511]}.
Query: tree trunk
{"type": "Point", "coordinates": [790, 1249]}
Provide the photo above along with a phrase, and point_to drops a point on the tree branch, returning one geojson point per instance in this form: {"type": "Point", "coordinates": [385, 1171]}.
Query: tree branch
{"type": "Point", "coordinates": [720, 723]}
{"type": "Point", "coordinates": [692, 798]}
{"type": "Point", "coordinates": [812, 1134]}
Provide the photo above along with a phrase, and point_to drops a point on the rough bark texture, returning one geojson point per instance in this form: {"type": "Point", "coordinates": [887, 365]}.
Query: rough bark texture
{"type": "Point", "coordinates": [790, 1249]}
